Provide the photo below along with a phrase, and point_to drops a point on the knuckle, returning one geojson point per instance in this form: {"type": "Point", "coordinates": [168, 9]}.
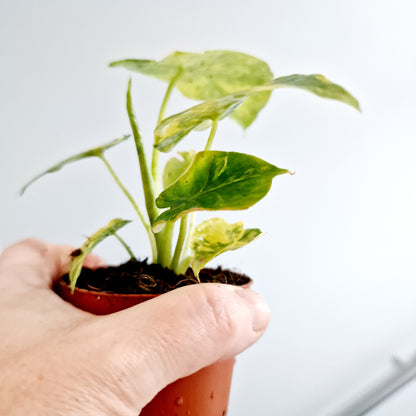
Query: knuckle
{"type": "Point", "coordinates": [219, 309]}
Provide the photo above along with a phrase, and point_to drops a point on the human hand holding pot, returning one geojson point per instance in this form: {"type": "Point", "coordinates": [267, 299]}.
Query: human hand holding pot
{"type": "Point", "coordinates": [56, 359]}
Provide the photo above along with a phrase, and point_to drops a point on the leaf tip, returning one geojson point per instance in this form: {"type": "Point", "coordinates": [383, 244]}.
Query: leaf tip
{"type": "Point", "coordinates": [353, 102]}
{"type": "Point", "coordinates": [23, 189]}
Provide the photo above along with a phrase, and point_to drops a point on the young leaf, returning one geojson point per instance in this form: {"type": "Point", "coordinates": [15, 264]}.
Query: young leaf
{"type": "Point", "coordinates": [174, 167]}
{"type": "Point", "coordinates": [95, 152]}
{"type": "Point", "coordinates": [216, 236]}
{"type": "Point", "coordinates": [211, 74]}
{"type": "Point", "coordinates": [78, 260]}
{"type": "Point", "coordinates": [173, 129]}
{"type": "Point", "coordinates": [217, 181]}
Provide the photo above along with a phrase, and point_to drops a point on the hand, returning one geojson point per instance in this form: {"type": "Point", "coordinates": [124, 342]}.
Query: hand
{"type": "Point", "coordinates": [58, 360]}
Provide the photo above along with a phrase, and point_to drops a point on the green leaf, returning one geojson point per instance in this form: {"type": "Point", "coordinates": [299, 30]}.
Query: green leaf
{"type": "Point", "coordinates": [173, 129]}
{"type": "Point", "coordinates": [318, 85]}
{"type": "Point", "coordinates": [78, 259]}
{"type": "Point", "coordinates": [174, 167]}
{"type": "Point", "coordinates": [217, 181]}
{"type": "Point", "coordinates": [211, 74]}
{"type": "Point", "coordinates": [95, 152]}
{"type": "Point", "coordinates": [216, 236]}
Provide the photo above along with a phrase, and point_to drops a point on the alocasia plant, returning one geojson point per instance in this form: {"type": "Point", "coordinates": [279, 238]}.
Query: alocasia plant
{"type": "Point", "coordinates": [229, 84]}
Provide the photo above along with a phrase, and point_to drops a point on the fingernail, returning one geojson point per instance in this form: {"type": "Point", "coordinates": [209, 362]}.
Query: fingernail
{"type": "Point", "coordinates": [259, 308]}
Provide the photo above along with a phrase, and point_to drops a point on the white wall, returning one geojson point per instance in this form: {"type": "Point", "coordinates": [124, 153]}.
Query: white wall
{"type": "Point", "coordinates": [337, 264]}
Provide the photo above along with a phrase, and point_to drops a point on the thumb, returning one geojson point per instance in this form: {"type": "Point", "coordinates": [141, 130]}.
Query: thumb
{"type": "Point", "coordinates": [178, 333]}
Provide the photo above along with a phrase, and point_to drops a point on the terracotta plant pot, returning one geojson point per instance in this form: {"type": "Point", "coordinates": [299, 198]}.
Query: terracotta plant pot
{"type": "Point", "coordinates": [204, 393]}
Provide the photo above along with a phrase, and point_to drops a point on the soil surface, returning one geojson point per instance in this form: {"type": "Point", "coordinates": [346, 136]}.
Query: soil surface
{"type": "Point", "coordinates": [138, 276]}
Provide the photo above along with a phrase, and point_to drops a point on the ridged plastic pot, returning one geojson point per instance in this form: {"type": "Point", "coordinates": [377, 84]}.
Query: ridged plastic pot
{"type": "Point", "coordinates": [204, 393]}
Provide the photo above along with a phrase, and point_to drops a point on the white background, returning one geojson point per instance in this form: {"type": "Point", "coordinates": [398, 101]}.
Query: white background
{"type": "Point", "coordinates": [337, 264]}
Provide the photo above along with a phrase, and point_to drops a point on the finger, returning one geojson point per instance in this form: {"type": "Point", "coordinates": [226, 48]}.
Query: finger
{"type": "Point", "coordinates": [176, 334]}
{"type": "Point", "coordinates": [34, 263]}
{"type": "Point", "coordinates": [92, 261]}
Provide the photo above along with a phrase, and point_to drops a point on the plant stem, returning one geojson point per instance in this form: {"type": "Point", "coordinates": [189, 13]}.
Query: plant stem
{"type": "Point", "coordinates": [126, 246]}
{"type": "Point", "coordinates": [147, 180]}
{"type": "Point", "coordinates": [135, 206]}
{"type": "Point", "coordinates": [212, 134]}
{"type": "Point", "coordinates": [148, 186]}
{"type": "Point", "coordinates": [164, 239]}
{"type": "Point", "coordinates": [155, 155]}
{"type": "Point", "coordinates": [184, 262]}
{"type": "Point", "coordinates": [179, 244]}
{"type": "Point", "coordinates": [191, 224]}
{"type": "Point", "coordinates": [167, 96]}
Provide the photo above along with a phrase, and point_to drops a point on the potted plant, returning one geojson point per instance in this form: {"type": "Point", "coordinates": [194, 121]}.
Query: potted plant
{"type": "Point", "coordinates": [227, 84]}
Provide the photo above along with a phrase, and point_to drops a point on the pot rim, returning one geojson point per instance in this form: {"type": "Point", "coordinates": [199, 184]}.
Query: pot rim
{"type": "Point", "coordinates": [60, 281]}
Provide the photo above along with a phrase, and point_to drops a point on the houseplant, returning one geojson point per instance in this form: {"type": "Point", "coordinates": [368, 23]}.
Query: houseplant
{"type": "Point", "coordinates": [228, 84]}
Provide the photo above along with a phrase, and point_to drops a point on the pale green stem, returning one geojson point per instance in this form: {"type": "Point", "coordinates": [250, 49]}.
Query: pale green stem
{"type": "Point", "coordinates": [155, 169]}
{"type": "Point", "coordinates": [126, 246]}
{"type": "Point", "coordinates": [155, 155]}
{"type": "Point", "coordinates": [212, 134]}
{"type": "Point", "coordinates": [184, 261]}
{"type": "Point", "coordinates": [165, 245]}
{"type": "Point", "coordinates": [134, 204]}
{"type": "Point", "coordinates": [179, 244]}
{"type": "Point", "coordinates": [167, 96]}
{"type": "Point", "coordinates": [148, 186]}
{"type": "Point", "coordinates": [191, 224]}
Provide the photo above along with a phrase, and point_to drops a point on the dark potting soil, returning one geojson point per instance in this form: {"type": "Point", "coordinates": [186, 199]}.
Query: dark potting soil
{"type": "Point", "coordinates": [138, 276]}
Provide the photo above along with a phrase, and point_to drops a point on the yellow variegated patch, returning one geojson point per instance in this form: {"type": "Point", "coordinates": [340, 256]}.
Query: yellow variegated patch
{"type": "Point", "coordinates": [216, 236]}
